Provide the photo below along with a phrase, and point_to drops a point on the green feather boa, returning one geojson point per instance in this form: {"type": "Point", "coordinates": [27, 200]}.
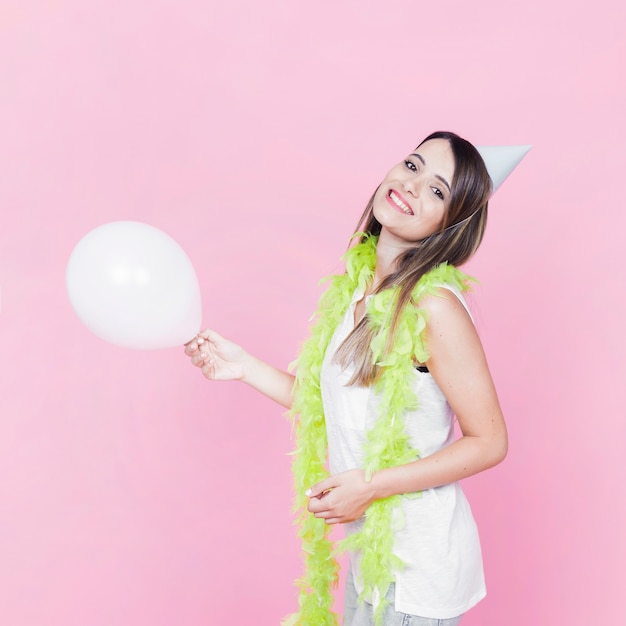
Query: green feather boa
{"type": "Point", "coordinates": [387, 442]}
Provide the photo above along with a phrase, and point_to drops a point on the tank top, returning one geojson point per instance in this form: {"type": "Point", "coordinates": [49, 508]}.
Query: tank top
{"type": "Point", "coordinates": [435, 534]}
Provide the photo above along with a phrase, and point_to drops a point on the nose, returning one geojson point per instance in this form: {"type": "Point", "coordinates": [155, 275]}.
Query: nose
{"type": "Point", "coordinates": [413, 184]}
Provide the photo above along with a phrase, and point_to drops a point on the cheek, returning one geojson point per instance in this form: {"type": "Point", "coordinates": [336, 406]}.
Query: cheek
{"type": "Point", "coordinates": [433, 219]}
{"type": "Point", "coordinates": [437, 213]}
{"type": "Point", "coordinates": [379, 198]}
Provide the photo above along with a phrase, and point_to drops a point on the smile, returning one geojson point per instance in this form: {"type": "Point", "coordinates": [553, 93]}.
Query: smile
{"type": "Point", "coordinates": [396, 201]}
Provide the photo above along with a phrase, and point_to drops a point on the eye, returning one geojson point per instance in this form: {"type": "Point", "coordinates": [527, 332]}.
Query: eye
{"type": "Point", "coordinates": [410, 165]}
{"type": "Point", "coordinates": [438, 192]}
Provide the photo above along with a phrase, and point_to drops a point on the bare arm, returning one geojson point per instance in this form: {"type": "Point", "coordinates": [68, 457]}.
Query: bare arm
{"type": "Point", "coordinates": [222, 359]}
{"type": "Point", "coordinates": [458, 365]}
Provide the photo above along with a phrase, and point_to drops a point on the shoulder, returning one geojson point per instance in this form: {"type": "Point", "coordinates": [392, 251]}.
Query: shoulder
{"type": "Point", "coordinates": [444, 306]}
{"type": "Point", "coordinates": [451, 336]}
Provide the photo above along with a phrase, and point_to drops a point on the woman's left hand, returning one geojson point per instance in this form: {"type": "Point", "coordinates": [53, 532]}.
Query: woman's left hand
{"type": "Point", "coordinates": [341, 498]}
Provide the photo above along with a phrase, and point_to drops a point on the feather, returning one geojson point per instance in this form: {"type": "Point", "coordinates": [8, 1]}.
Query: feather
{"type": "Point", "coordinates": [387, 443]}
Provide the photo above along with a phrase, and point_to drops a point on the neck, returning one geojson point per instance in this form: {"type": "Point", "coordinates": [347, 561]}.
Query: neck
{"type": "Point", "coordinates": [387, 252]}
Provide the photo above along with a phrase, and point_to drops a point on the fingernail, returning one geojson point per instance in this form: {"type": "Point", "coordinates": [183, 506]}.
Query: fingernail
{"type": "Point", "coordinates": [308, 493]}
{"type": "Point", "coordinates": [203, 355]}
{"type": "Point", "coordinates": [200, 341]}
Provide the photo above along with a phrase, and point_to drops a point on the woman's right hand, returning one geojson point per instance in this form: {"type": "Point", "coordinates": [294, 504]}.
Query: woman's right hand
{"type": "Point", "coordinates": [221, 359]}
{"type": "Point", "coordinates": [217, 357]}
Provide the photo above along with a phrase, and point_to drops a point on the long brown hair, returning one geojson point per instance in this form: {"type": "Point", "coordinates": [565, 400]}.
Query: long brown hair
{"type": "Point", "coordinates": [458, 237]}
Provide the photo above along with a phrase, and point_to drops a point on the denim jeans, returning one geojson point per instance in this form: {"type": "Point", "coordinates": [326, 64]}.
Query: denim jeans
{"type": "Point", "coordinates": [361, 613]}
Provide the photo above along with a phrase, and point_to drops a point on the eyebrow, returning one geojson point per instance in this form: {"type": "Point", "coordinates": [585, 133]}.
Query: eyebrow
{"type": "Point", "coordinates": [441, 178]}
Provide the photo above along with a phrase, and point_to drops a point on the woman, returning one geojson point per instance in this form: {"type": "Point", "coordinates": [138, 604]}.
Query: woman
{"type": "Point", "coordinates": [393, 357]}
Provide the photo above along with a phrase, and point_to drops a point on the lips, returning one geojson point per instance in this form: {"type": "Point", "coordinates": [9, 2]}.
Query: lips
{"type": "Point", "coordinates": [398, 202]}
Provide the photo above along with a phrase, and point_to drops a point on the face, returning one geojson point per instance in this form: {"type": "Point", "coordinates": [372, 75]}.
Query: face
{"type": "Point", "coordinates": [414, 195]}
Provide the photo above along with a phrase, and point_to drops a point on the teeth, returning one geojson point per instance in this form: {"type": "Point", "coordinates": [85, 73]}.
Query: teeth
{"type": "Point", "coordinates": [400, 204]}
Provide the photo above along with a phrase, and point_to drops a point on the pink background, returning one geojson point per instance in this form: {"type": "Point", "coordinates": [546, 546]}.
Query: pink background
{"type": "Point", "coordinates": [134, 492]}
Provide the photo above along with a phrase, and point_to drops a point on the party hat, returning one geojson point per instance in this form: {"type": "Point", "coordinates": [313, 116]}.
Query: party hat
{"type": "Point", "coordinates": [501, 161]}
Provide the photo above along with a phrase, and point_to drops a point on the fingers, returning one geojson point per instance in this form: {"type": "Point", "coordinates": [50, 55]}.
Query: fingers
{"type": "Point", "coordinates": [319, 503]}
{"type": "Point", "coordinates": [199, 353]}
{"type": "Point", "coordinates": [322, 487]}
{"type": "Point", "coordinates": [210, 335]}
{"type": "Point", "coordinates": [200, 359]}
{"type": "Point", "coordinates": [217, 357]}
{"type": "Point", "coordinates": [206, 335]}
{"type": "Point", "coordinates": [193, 346]}
{"type": "Point", "coordinates": [321, 509]}
{"type": "Point", "coordinates": [199, 347]}
{"type": "Point", "coordinates": [204, 360]}
{"type": "Point", "coordinates": [315, 501]}
{"type": "Point", "coordinates": [340, 498]}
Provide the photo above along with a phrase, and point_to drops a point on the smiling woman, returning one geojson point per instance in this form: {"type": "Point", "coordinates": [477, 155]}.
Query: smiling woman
{"type": "Point", "coordinates": [416, 187]}
{"type": "Point", "coordinates": [452, 226]}
{"type": "Point", "coordinates": [377, 388]}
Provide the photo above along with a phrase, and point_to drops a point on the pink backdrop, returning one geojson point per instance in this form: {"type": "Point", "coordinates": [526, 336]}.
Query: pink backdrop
{"type": "Point", "coordinates": [134, 492]}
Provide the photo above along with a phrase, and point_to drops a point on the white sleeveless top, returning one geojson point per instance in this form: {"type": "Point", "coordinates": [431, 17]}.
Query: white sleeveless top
{"type": "Point", "coordinates": [437, 539]}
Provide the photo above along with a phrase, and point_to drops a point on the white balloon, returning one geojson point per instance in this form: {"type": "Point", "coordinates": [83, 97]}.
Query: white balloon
{"type": "Point", "coordinates": [132, 285]}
